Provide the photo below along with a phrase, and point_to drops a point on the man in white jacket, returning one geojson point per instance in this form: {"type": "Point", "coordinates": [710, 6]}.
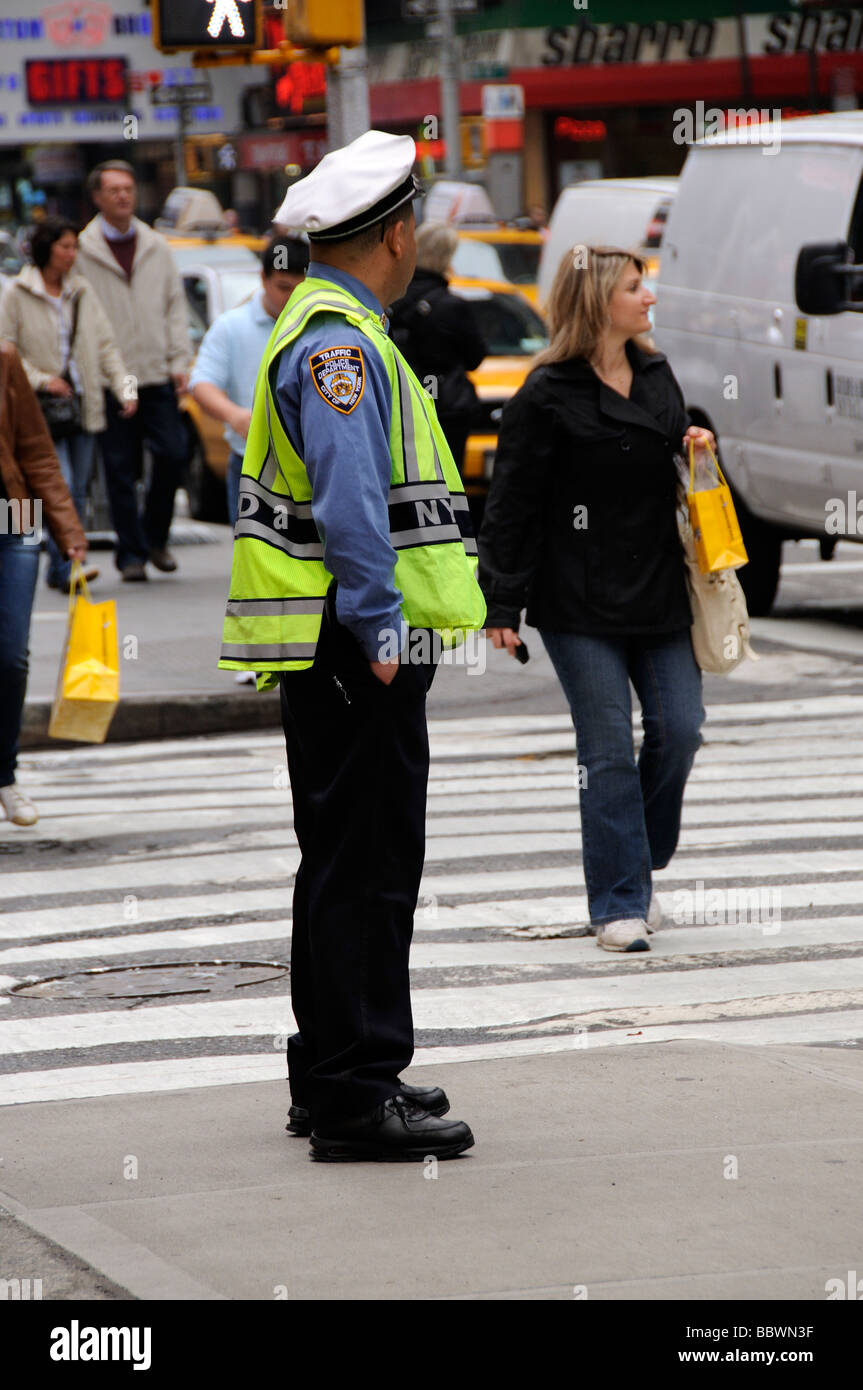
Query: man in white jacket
{"type": "Point", "coordinates": [134, 274]}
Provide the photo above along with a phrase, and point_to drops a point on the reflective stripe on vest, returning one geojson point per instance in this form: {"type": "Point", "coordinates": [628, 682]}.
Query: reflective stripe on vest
{"type": "Point", "coordinates": [278, 520]}
{"type": "Point", "coordinates": [277, 548]}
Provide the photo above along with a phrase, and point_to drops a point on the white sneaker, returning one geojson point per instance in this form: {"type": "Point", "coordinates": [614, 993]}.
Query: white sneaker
{"type": "Point", "coordinates": [654, 914]}
{"type": "Point", "coordinates": [626, 934]}
{"type": "Point", "coordinates": [19, 808]}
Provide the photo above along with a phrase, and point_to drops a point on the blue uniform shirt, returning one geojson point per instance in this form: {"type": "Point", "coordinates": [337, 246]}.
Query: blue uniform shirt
{"type": "Point", "coordinates": [347, 457]}
{"type": "Point", "coordinates": [231, 353]}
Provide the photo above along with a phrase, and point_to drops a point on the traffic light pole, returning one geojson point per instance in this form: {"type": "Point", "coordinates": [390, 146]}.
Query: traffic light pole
{"type": "Point", "coordinates": [183, 113]}
{"type": "Point", "coordinates": [450, 89]}
{"type": "Point", "coordinates": [348, 97]}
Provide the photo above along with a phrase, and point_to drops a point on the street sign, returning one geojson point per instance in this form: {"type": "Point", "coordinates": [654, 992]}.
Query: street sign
{"type": "Point", "coordinates": [182, 94]}
{"type": "Point", "coordinates": [483, 72]}
{"type": "Point", "coordinates": [206, 24]}
{"type": "Point", "coordinates": [428, 9]}
{"type": "Point", "coordinates": [503, 102]}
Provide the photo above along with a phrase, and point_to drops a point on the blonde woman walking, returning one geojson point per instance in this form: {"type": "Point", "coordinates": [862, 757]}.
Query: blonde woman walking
{"type": "Point", "coordinates": [580, 530]}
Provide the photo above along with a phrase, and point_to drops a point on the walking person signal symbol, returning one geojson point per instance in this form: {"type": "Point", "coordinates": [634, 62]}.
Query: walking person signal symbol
{"type": "Point", "coordinates": [226, 12]}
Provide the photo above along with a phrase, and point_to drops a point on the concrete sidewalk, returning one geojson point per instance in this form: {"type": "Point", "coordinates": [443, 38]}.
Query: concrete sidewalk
{"type": "Point", "coordinates": [169, 632]}
{"type": "Point", "coordinates": [676, 1170]}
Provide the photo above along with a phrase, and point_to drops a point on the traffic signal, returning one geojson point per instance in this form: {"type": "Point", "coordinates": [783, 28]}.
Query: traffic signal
{"type": "Point", "coordinates": [213, 25]}
{"type": "Point", "coordinates": [324, 23]}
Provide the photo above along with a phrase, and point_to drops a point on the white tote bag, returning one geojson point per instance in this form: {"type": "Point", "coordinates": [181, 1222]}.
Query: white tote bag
{"type": "Point", "coordinates": [720, 620]}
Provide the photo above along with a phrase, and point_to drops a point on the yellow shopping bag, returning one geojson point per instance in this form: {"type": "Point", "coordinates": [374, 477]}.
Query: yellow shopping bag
{"type": "Point", "coordinates": [88, 689]}
{"type": "Point", "coordinates": [715, 528]}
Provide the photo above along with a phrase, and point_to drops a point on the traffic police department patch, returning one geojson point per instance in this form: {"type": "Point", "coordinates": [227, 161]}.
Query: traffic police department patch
{"type": "Point", "coordinates": [339, 375]}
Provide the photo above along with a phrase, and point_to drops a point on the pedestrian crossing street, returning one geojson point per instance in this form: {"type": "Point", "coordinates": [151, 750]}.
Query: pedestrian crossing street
{"type": "Point", "coordinates": [182, 852]}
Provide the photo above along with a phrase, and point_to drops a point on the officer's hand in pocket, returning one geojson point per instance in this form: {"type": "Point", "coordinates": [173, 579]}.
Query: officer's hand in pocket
{"type": "Point", "coordinates": [385, 671]}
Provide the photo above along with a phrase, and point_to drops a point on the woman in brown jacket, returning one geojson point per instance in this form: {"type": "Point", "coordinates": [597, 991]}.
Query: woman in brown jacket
{"type": "Point", "coordinates": [31, 489]}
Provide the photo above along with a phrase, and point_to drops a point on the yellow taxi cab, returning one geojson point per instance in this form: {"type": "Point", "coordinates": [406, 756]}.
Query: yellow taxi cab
{"type": "Point", "coordinates": [513, 333]}
{"type": "Point", "coordinates": [502, 254]}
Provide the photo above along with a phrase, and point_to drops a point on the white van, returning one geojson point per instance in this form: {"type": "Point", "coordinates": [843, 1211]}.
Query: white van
{"type": "Point", "coordinates": [757, 312]}
{"type": "Point", "coordinates": [606, 212]}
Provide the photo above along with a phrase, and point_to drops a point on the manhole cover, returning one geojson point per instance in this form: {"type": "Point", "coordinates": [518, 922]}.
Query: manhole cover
{"type": "Point", "coordinates": [154, 981]}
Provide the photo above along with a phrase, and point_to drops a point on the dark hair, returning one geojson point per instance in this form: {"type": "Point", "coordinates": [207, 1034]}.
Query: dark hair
{"type": "Point", "coordinates": [364, 242]}
{"type": "Point", "coordinates": [44, 235]}
{"type": "Point", "coordinates": [117, 166]}
{"type": "Point", "coordinates": [287, 255]}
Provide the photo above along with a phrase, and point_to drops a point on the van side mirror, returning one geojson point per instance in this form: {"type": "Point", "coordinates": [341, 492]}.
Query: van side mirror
{"type": "Point", "coordinates": [825, 276]}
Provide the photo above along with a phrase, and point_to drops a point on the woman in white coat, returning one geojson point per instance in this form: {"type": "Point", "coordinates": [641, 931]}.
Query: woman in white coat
{"type": "Point", "coordinates": [67, 348]}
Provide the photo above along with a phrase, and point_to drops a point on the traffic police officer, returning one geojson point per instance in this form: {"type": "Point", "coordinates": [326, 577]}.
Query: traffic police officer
{"type": "Point", "coordinates": [354, 560]}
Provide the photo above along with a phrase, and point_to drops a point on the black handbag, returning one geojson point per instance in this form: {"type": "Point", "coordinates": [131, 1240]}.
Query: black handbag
{"type": "Point", "coordinates": [63, 414]}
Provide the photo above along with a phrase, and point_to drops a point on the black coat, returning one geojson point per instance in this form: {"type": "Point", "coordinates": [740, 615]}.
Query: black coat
{"type": "Point", "coordinates": [568, 441]}
{"type": "Point", "coordinates": [437, 332]}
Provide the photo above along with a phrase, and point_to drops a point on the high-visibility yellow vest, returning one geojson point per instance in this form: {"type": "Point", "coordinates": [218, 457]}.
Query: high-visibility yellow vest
{"type": "Point", "coordinates": [278, 577]}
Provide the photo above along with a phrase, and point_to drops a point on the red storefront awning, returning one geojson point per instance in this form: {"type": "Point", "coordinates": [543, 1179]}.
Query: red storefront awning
{"type": "Point", "coordinates": [588, 86]}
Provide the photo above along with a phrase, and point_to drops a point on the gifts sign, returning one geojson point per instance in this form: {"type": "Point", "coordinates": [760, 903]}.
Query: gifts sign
{"type": "Point", "coordinates": [226, 12]}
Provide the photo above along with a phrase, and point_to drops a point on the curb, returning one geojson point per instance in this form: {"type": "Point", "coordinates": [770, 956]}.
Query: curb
{"type": "Point", "coordinates": [141, 717]}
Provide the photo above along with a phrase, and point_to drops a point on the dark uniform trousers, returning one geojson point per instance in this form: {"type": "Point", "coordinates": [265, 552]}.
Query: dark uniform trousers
{"type": "Point", "coordinates": [358, 759]}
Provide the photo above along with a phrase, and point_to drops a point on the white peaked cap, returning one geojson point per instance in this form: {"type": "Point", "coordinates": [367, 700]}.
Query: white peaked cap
{"type": "Point", "coordinates": [352, 188]}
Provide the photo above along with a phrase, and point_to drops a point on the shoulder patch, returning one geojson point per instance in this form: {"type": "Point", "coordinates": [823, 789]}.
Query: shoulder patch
{"type": "Point", "coordinates": [339, 375]}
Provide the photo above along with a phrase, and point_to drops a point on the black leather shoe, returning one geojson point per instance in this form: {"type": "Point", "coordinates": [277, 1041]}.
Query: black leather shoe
{"type": "Point", "coordinates": [399, 1131]}
{"type": "Point", "coordinates": [432, 1099]}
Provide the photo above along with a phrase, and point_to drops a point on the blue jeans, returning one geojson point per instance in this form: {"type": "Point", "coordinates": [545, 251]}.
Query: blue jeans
{"type": "Point", "coordinates": [76, 456]}
{"type": "Point", "coordinates": [630, 812]}
{"type": "Point", "coordinates": [19, 568]}
{"type": "Point", "coordinates": [232, 483]}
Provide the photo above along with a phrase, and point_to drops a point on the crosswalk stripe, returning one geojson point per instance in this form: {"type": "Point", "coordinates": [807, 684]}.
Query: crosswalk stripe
{"type": "Point", "coordinates": [179, 1074]}
{"type": "Point", "coordinates": [559, 817]}
{"type": "Point", "coordinates": [174, 751]}
{"type": "Point", "coordinates": [748, 930]}
{"type": "Point", "coordinates": [745, 749]}
{"type": "Point", "coordinates": [704, 784]}
{"type": "Point", "coordinates": [447, 740]}
{"type": "Point", "coordinates": [534, 911]}
{"type": "Point", "coordinates": [129, 911]}
{"type": "Point", "coordinates": [506, 1006]}
{"type": "Point", "coordinates": [452, 1007]}
{"type": "Point", "coordinates": [246, 865]}
{"type": "Point", "coordinates": [132, 1078]}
